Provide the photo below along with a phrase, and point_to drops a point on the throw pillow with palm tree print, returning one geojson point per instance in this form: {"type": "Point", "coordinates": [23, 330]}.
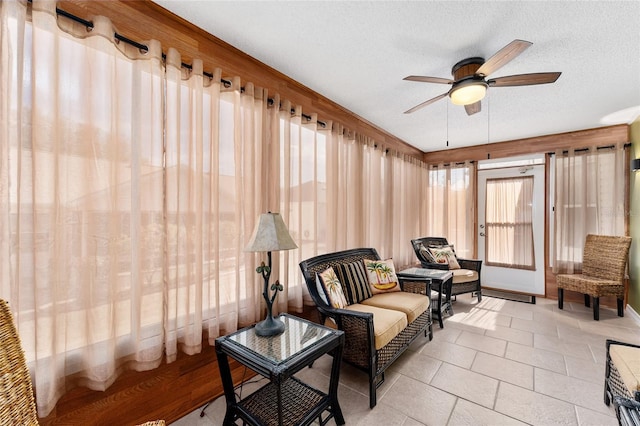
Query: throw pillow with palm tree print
{"type": "Point", "coordinates": [445, 255]}
{"type": "Point", "coordinates": [333, 288]}
{"type": "Point", "coordinates": [382, 276]}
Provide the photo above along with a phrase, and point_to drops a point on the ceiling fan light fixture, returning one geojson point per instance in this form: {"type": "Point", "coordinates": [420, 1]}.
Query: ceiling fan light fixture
{"type": "Point", "coordinates": [468, 92]}
{"type": "Point", "coordinates": [469, 85]}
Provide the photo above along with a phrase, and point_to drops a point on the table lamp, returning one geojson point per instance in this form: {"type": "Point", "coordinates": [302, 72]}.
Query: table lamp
{"type": "Point", "coordinates": [270, 234]}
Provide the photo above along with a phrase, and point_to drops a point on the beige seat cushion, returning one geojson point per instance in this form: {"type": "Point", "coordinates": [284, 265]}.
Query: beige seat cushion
{"type": "Point", "coordinates": [627, 361]}
{"type": "Point", "coordinates": [329, 322]}
{"type": "Point", "coordinates": [412, 304]}
{"type": "Point", "coordinates": [387, 323]}
{"type": "Point", "coordinates": [464, 276]}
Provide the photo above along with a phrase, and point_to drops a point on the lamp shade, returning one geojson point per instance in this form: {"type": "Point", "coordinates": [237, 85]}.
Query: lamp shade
{"type": "Point", "coordinates": [468, 92]}
{"type": "Point", "coordinates": [270, 234]}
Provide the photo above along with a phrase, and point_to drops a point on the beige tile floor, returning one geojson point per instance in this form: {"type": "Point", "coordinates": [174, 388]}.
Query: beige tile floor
{"type": "Point", "coordinates": [495, 363]}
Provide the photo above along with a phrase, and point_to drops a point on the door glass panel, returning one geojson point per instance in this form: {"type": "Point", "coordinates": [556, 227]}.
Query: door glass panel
{"type": "Point", "coordinates": [508, 220]}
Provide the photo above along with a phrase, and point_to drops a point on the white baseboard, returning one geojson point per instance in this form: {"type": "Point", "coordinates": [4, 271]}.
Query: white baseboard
{"type": "Point", "coordinates": [633, 314]}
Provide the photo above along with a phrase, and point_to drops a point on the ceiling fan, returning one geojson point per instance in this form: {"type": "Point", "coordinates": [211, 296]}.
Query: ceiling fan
{"type": "Point", "coordinates": [470, 82]}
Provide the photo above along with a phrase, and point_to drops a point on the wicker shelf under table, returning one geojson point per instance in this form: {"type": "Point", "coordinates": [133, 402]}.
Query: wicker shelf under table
{"type": "Point", "coordinates": [302, 403]}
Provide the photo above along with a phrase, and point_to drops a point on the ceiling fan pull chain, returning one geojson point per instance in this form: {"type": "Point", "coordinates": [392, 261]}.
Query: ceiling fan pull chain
{"type": "Point", "coordinates": [447, 124]}
{"type": "Point", "coordinates": [488, 121]}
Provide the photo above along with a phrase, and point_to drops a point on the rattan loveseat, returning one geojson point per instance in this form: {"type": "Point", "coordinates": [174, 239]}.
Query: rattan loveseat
{"type": "Point", "coordinates": [362, 348]}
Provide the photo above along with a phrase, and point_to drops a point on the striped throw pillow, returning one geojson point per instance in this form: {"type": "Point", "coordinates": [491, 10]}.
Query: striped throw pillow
{"type": "Point", "coordinates": [355, 283]}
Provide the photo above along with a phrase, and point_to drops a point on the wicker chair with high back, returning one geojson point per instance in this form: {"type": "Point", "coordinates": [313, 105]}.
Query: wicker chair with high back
{"type": "Point", "coordinates": [17, 405]}
{"type": "Point", "coordinates": [466, 279]}
{"type": "Point", "coordinates": [604, 262]}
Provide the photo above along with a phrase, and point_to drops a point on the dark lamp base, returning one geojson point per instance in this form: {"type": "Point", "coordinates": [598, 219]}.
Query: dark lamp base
{"type": "Point", "coordinates": [269, 327]}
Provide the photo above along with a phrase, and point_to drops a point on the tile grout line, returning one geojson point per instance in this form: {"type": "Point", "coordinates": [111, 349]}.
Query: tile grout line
{"type": "Point", "coordinates": [452, 410]}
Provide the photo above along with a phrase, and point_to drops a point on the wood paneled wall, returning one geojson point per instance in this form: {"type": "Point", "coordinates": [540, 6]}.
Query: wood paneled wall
{"type": "Point", "coordinates": [601, 136]}
{"type": "Point", "coordinates": [142, 20]}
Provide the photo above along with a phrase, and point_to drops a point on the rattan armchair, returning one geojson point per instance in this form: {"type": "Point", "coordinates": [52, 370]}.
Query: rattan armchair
{"type": "Point", "coordinates": [604, 262]}
{"type": "Point", "coordinates": [17, 404]}
{"type": "Point", "coordinates": [465, 280]}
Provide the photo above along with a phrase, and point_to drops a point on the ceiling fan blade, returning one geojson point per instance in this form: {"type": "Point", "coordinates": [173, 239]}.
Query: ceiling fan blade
{"type": "Point", "coordinates": [473, 108]}
{"type": "Point", "coordinates": [503, 56]}
{"type": "Point", "coordinates": [425, 79]}
{"type": "Point", "coordinates": [524, 79]}
{"type": "Point", "coordinates": [425, 103]}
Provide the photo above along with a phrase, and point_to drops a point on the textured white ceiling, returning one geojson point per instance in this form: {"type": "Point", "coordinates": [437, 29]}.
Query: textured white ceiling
{"type": "Point", "coordinates": [357, 52]}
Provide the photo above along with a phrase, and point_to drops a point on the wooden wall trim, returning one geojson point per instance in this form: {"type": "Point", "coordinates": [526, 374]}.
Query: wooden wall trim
{"type": "Point", "coordinates": [141, 20]}
{"type": "Point", "coordinates": [582, 138]}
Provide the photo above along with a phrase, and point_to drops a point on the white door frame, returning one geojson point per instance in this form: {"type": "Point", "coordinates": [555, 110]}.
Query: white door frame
{"type": "Point", "coordinates": [510, 279]}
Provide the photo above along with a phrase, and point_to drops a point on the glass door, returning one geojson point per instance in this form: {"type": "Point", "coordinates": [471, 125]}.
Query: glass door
{"type": "Point", "coordinates": [511, 228]}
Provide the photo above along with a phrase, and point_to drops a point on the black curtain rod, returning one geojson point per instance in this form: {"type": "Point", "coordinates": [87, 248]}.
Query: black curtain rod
{"type": "Point", "coordinates": [460, 163]}
{"type": "Point", "coordinates": [626, 145]}
{"type": "Point", "coordinates": [375, 146]}
{"type": "Point", "coordinates": [145, 48]}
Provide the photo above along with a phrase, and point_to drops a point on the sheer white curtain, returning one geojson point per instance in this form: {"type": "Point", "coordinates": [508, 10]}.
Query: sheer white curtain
{"type": "Point", "coordinates": [359, 202]}
{"type": "Point", "coordinates": [129, 189]}
{"type": "Point", "coordinates": [193, 212]}
{"type": "Point", "coordinates": [590, 187]}
{"type": "Point", "coordinates": [509, 223]}
{"type": "Point", "coordinates": [339, 190]}
{"type": "Point", "coordinates": [451, 206]}
{"type": "Point", "coordinates": [302, 186]}
{"type": "Point", "coordinates": [120, 243]}
{"type": "Point", "coordinates": [408, 191]}
{"type": "Point", "coordinates": [243, 134]}
{"type": "Point", "coordinates": [345, 191]}
{"type": "Point", "coordinates": [81, 198]}
{"type": "Point", "coordinates": [374, 198]}
{"type": "Point", "coordinates": [378, 198]}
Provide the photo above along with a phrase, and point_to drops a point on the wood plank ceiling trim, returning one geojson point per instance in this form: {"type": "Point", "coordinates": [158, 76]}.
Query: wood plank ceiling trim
{"type": "Point", "coordinates": [601, 136]}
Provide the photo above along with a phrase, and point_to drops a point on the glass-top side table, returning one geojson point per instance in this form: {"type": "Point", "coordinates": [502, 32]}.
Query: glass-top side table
{"type": "Point", "coordinates": [442, 281]}
{"type": "Point", "coordinates": [285, 400]}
